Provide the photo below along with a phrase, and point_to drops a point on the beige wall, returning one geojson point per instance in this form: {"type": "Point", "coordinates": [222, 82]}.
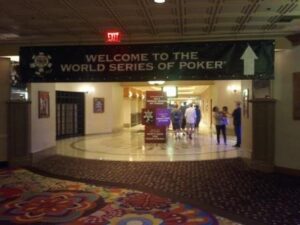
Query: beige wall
{"type": "Point", "coordinates": [126, 112]}
{"type": "Point", "coordinates": [206, 97]}
{"type": "Point", "coordinates": [117, 100]}
{"type": "Point", "coordinates": [43, 131]}
{"type": "Point", "coordinates": [247, 120]}
{"type": "Point", "coordinates": [287, 137]}
{"type": "Point", "coordinates": [4, 97]}
{"type": "Point", "coordinates": [131, 106]}
{"type": "Point", "coordinates": [112, 93]}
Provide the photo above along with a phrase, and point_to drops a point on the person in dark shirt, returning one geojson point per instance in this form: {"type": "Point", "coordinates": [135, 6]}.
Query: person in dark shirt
{"type": "Point", "coordinates": [198, 119]}
{"type": "Point", "coordinates": [176, 118]}
{"type": "Point", "coordinates": [183, 121]}
{"type": "Point", "coordinates": [236, 115]}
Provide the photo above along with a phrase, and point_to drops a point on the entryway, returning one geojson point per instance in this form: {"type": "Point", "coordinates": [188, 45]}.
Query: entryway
{"type": "Point", "coordinates": [69, 114]}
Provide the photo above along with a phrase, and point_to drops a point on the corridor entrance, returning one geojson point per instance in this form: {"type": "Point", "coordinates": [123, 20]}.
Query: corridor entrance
{"type": "Point", "coordinates": [69, 114]}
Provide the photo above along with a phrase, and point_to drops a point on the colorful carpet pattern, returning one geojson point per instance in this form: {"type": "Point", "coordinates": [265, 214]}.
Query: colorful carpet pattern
{"type": "Point", "coordinates": [227, 187]}
{"type": "Point", "coordinates": [29, 198]}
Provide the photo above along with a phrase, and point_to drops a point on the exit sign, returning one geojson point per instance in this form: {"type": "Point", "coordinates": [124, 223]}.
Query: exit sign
{"type": "Point", "coordinates": [112, 37]}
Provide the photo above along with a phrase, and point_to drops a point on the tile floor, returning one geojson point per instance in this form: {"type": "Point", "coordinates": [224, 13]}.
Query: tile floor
{"type": "Point", "coordinates": [129, 145]}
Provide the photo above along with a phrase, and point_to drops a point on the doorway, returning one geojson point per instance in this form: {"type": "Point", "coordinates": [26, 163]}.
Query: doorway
{"type": "Point", "coordinates": [69, 114]}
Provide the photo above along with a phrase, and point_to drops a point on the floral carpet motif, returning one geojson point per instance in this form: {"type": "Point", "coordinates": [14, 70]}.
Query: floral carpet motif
{"type": "Point", "coordinates": [29, 198]}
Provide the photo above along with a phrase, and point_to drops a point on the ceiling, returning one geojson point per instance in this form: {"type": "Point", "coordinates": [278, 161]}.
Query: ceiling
{"type": "Point", "coordinates": [185, 89]}
{"type": "Point", "coordinates": [35, 22]}
{"type": "Point", "coordinates": [62, 22]}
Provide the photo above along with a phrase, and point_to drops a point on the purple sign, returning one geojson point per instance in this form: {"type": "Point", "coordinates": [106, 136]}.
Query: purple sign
{"type": "Point", "coordinates": [162, 117]}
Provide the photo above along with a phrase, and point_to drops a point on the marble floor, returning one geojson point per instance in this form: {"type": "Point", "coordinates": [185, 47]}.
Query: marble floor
{"type": "Point", "coordinates": [129, 145]}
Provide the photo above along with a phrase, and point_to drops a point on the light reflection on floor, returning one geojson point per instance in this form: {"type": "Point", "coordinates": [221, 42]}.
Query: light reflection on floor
{"type": "Point", "coordinates": [129, 145]}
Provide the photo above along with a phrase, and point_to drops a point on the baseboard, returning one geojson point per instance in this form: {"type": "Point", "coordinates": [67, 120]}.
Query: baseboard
{"type": "Point", "coordinates": [20, 161]}
{"type": "Point", "coordinates": [259, 165]}
{"type": "Point", "coordinates": [287, 171]}
{"type": "Point", "coordinates": [117, 129]}
{"type": "Point", "coordinates": [35, 157]}
{"type": "Point", "coordinates": [3, 164]}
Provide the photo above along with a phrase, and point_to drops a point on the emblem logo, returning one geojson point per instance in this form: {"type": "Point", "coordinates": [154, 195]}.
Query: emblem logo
{"type": "Point", "coordinates": [148, 116]}
{"type": "Point", "coordinates": [41, 64]}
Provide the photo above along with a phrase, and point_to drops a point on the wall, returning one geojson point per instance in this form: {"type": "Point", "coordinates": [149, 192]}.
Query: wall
{"type": "Point", "coordinates": [96, 123]}
{"type": "Point", "coordinates": [4, 97]}
{"type": "Point", "coordinates": [117, 100]}
{"type": "Point", "coordinates": [206, 97]}
{"type": "Point", "coordinates": [287, 134]}
{"type": "Point", "coordinates": [43, 130]}
{"type": "Point", "coordinates": [247, 119]}
{"type": "Point", "coordinates": [126, 112]}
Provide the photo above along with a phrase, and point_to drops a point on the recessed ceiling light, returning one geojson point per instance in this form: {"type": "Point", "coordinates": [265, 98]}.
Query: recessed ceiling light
{"type": "Point", "coordinates": [159, 1]}
{"type": "Point", "coordinates": [156, 82]}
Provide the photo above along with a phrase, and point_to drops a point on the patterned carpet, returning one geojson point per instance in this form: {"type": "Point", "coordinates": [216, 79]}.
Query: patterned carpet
{"type": "Point", "coordinates": [226, 187]}
{"type": "Point", "coordinates": [28, 198]}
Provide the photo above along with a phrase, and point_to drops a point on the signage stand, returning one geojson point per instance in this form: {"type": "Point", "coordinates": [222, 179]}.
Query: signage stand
{"type": "Point", "coordinates": [155, 117]}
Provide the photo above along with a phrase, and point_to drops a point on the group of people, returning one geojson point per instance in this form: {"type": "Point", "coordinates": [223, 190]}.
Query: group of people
{"type": "Point", "coordinates": [185, 118]}
{"type": "Point", "coordinates": [221, 118]}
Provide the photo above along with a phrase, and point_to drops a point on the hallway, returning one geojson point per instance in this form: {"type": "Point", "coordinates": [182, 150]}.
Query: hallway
{"type": "Point", "coordinates": [129, 145]}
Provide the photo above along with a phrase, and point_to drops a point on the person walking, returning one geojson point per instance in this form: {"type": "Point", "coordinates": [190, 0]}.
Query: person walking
{"type": "Point", "coordinates": [183, 107]}
{"type": "Point", "coordinates": [225, 115]}
{"type": "Point", "coordinates": [190, 117]}
{"type": "Point", "coordinates": [198, 117]}
{"type": "Point", "coordinates": [219, 123]}
{"type": "Point", "coordinates": [176, 117]}
{"type": "Point", "coordinates": [236, 114]}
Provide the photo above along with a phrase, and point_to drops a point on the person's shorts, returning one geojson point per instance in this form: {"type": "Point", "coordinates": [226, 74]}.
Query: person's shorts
{"type": "Point", "coordinates": [176, 125]}
{"type": "Point", "coordinates": [190, 125]}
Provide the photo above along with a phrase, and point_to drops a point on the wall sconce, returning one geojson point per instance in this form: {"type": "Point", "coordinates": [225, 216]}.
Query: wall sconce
{"type": "Point", "coordinates": [233, 88]}
{"type": "Point", "coordinates": [130, 94]}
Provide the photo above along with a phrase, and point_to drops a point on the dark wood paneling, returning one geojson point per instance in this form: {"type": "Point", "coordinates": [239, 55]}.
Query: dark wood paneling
{"type": "Point", "coordinates": [19, 132]}
{"type": "Point", "coordinates": [263, 130]}
{"type": "Point", "coordinates": [296, 96]}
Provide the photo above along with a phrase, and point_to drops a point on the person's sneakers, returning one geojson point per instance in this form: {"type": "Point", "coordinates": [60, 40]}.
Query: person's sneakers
{"type": "Point", "coordinates": [236, 146]}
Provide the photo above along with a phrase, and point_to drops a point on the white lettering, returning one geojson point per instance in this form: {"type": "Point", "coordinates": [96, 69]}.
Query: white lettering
{"type": "Point", "coordinates": [82, 67]}
{"type": "Point", "coordinates": [123, 67]}
{"type": "Point", "coordinates": [208, 65]}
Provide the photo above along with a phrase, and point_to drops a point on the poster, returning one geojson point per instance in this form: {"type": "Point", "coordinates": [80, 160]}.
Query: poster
{"type": "Point", "coordinates": [98, 105]}
{"type": "Point", "coordinates": [162, 117]}
{"type": "Point", "coordinates": [155, 134]}
{"type": "Point", "coordinates": [156, 117]}
{"type": "Point", "coordinates": [43, 104]}
{"type": "Point", "coordinates": [156, 99]}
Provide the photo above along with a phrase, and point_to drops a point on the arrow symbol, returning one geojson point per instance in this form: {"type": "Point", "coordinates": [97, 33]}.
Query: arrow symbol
{"type": "Point", "coordinates": [249, 58]}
